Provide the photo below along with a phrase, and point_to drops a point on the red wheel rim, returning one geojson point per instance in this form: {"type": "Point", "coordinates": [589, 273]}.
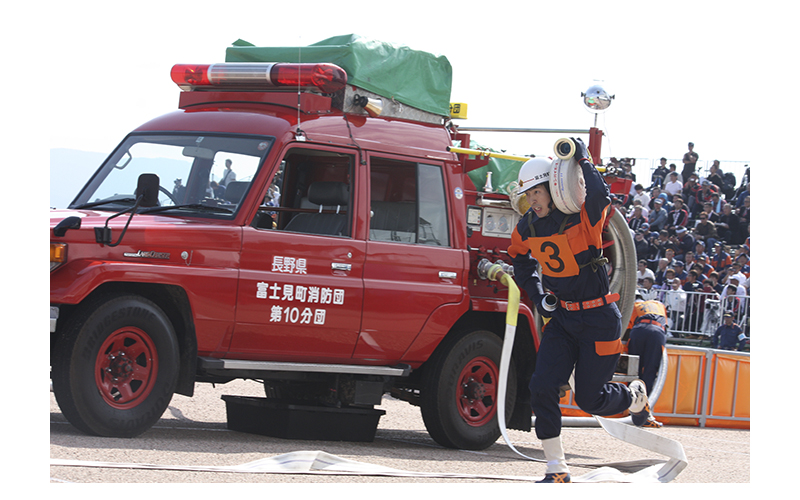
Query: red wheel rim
{"type": "Point", "coordinates": [477, 392]}
{"type": "Point", "coordinates": [126, 368]}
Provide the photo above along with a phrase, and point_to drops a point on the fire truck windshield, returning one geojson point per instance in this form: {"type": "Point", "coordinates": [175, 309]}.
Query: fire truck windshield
{"type": "Point", "coordinates": [204, 176]}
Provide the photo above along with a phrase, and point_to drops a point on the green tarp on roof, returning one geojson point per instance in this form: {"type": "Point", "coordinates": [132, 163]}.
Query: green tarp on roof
{"type": "Point", "coordinates": [413, 77]}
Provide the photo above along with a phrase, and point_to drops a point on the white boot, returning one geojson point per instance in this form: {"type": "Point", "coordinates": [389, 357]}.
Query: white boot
{"type": "Point", "coordinates": [640, 407]}
{"type": "Point", "coordinates": [557, 470]}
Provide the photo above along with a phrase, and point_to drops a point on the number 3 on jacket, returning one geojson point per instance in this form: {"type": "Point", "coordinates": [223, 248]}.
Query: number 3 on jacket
{"type": "Point", "coordinates": [554, 255]}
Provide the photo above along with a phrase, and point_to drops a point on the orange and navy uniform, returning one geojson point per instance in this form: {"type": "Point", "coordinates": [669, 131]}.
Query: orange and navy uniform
{"type": "Point", "coordinates": [567, 246]}
{"type": "Point", "coordinates": [647, 338]}
{"type": "Point", "coordinates": [586, 338]}
{"type": "Point", "coordinates": [651, 310]}
{"type": "Point", "coordinates": [720, 260]}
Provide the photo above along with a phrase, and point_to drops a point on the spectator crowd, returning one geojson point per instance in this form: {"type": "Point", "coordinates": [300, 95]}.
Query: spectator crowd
{"type": "Point", "coordinates": [691, 232]}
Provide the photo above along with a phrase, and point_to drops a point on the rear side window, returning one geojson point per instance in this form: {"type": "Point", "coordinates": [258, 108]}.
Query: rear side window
{"type": "Point", "coordinates": [407, 203]}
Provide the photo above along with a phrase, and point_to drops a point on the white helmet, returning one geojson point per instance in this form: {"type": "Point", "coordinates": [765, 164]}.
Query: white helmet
{"type": "Point", "coordinates": [534, 172]}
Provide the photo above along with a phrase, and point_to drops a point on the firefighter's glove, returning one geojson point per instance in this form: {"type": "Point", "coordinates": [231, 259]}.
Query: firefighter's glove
{"type": "Point", "coordinates": [581, 151]}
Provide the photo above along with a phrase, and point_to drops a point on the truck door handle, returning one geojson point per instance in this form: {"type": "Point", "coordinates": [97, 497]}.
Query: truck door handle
{"type": "Point", "coordinates": [446, 275]}
{"type": "Point", "coordinates": [338, 266]}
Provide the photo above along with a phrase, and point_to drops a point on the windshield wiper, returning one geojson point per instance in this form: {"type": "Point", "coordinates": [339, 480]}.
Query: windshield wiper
{"type": "Point", "coordinates": [105, 202]}
{"type": "Point", "coordinates": [193, 206]}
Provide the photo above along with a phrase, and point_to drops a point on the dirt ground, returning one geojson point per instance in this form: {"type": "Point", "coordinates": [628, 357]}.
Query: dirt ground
{"type": "Point", "coordinates": [193, 432]}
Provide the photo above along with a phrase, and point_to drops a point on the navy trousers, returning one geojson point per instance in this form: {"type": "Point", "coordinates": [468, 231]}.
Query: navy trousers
{"type": "Point", "coordinates": [647, 341]}
{"type": "Point", "coordinates": [578, 340]}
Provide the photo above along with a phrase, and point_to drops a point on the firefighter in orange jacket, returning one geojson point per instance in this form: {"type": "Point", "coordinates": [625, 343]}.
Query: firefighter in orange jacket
{"type": "Point", "coordinates": [585, 326]}
{"type": "Point", "coordinates": [647, 339]}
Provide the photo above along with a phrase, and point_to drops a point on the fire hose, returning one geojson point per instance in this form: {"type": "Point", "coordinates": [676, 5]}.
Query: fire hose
{"type": "Point", "coordinates": [502, 273]}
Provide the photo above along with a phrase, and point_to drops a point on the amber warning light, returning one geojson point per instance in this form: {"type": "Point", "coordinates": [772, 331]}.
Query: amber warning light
{"type": "Point", "coordinates": [259, 76]}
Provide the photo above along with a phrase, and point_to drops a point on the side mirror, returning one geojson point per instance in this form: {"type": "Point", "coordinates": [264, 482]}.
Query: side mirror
{"type": "Point", "coordinates": [148, 187]}
{"type": "Point", "coordinates": [146, 196]}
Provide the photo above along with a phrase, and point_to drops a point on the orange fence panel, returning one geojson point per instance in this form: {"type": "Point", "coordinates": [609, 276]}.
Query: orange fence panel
{"type": "Point", "coordinates": [729, 404]}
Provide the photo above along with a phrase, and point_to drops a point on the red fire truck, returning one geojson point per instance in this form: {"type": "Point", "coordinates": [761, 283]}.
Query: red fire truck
{"type": "Point", "coordinates": [286, 226]}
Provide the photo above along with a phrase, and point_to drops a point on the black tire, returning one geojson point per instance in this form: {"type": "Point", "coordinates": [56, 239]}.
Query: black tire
{"type": "Point", "coordinates": [458, 398]}
{"type": "Point", "coordinates": [115, 366]}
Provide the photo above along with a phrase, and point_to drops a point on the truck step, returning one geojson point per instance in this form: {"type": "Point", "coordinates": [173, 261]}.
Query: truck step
{"type": "Point", "coordinates": [283, 366]}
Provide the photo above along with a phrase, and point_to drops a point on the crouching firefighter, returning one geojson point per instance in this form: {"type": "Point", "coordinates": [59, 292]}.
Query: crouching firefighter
{"type": "Point", "coordinates": [584, 329]}
{"type": "Point", "coordinates": [647, 339]}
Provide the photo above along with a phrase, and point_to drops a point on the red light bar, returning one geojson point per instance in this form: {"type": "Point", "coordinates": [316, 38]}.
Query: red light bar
{"type": "Point", "coordinates": [259, 76]}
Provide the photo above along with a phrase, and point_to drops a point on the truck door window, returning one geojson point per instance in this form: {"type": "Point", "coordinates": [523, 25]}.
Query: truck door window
{"type": "Point", "coordinates": [407, 203]}
{"type": "Point", "coordinates": [311, 193]}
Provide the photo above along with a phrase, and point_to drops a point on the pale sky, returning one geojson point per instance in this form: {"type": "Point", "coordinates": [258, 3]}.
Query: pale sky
{"type": "Point", "coordinates": [682, 72]}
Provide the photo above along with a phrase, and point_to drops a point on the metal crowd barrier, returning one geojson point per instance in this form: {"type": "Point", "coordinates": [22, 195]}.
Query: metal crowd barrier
{"type": "Point", "coordinates": [695, 316]}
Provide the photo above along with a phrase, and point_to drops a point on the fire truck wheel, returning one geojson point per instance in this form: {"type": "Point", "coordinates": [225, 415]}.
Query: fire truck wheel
{"type": "Point", "coordinates": [115, 367]}
{"type": "Point", "coordinates": [459, 391]}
